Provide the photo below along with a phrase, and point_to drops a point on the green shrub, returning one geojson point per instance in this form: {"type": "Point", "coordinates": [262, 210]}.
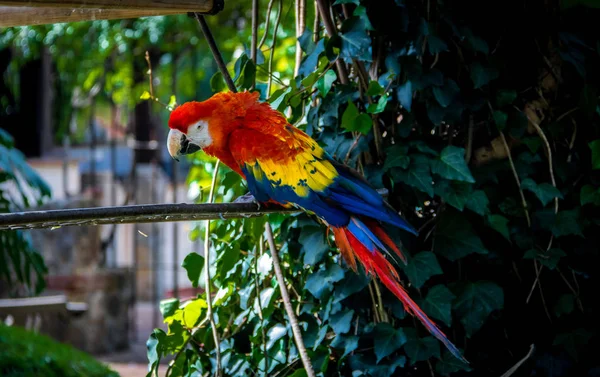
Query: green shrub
{"type": "Point", "coordinates": [27, 354]}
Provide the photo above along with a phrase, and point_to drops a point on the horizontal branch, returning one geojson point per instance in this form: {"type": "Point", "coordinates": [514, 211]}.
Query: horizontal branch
{"type": "Point", "coordinates": [21, 13]}
{"type": "Point", "coordinates": [243, 207]}
{"type": "Point", "coordinates": [141, 213]}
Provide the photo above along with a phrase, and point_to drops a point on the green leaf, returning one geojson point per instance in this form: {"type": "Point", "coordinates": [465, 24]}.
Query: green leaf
{"type": "Point", "coordinates": [500, 224]}
{"type": "Point", "coordinates": [353, 121]}
{"type": "Point", "coordinates": [505, 97]}
{"type": "Point", "coordinates": [475, 302]}
{"type": "Point", "coordinates": [320, 282]}
{"type": "Point", "coordinates": [438, 303]}
{"type": "Point", "coordinates": [356, 43]}
{"type": "Point", "coordinates": [193, 264]}
{"type": "Point", "coordinates": [589, 194]}
{"type": "Point", "coordinates": [478, 202]}
{"type": "Point", "coordinates": [374, 89]}
{"type": "Point", "coordinates": [455, 237]}
{"type": "Point", "coordinates": [420, 349]}
{"type": "Point", "coordinates": [545, 192]}
{"type": "Point", "coordinates": [418, 174]}
{"type": "Point", "coordinates": [396, 156]}
{"type": "Point", "coordinates": [145, 95]}
{"type": "Point", "coordinates": [387, 340]}
{"type": "Point", "coordinates": [405, 93]}
{"type": "Point", "coordinates": [567, 223]}
{"type": "Point", "coordinates": [454, 193]}
{"type": "Point", "coordinates": [172, 102]}
{"type": "Point", "coordinates": [595, 147]}
{"type": "Point", "coordinates": [376, 108]}
{"type": "Point", "coordinates": [168, 307]}
{"type": "Point", "coordinates": [548, 258]}
{"type": "Point", "coordinates": [436, 45]}
{"type": "Point", "coordinates": [500, 118]}
{"type": "Point", "coordinates": [325, 82]}
{"type": "Point", "coordinates": [564, 305]}
{"type": "Point", "coordinates": [482, 75]}
{"type": "Point", "coordinates": [573, 341]}
{"type": "Point", "coordinates": [348, 343]}
{"type": "Point", "coordinates": [421, 267]}
{"type": "Point", "coordinates": [314, 245]}
{"type": "Point", "coordinates": [275, 333]}
{"type": "Point", "coordinates": [452, 165]}
{"type": "Point", "coordinates": [450, 364]}
{"type": "Point", "coordinates": [340, 322]}
{"type": "Point", "coordinates": [445, 94]}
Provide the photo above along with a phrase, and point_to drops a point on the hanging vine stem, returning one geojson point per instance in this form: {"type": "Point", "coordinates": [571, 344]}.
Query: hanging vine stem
{"type": "Point", "coordinates": [259, 252]}
{"type": "Point", "coordinates": [253, 46]}
{"type": "Point", "coordinates": [300, 25]}
{"type": "Point", "coordinates": [270, 80]}
{"type": "Point", "coordinates": [288, 304]}
{"type": "Point", "coordinates": [209, 310]}
{"type": "Point", "coordinates": [331, 30]}
{"type": "Point", "coordinates": [514, 170]}
{"type": "Point", "coordinates": [267, 20]}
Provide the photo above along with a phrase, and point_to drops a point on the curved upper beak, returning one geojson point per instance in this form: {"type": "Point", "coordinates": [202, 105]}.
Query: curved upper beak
{"type": "Point", "coordinates": [178, 144]}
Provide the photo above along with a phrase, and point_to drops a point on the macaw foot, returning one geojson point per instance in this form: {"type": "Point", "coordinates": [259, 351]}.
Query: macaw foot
{"type": "Point", "coordinates": [248, 198]}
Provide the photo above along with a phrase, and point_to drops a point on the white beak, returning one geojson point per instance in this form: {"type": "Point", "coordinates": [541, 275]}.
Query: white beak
{"type": "Point", "coordinates": [174, 141]}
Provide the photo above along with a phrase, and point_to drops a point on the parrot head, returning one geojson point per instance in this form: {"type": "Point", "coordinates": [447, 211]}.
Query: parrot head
{"type": "Point", "coordinates": [189, 129]}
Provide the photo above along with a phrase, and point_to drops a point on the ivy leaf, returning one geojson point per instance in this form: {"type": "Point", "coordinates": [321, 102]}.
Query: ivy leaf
{"type": "Point", "coordinates": [589, 194]}
{"type": "Point", "coordinates": [275, 333]}
{"type": "Point", "coordinates": [396, 156]}
{"type": "Point", "coordinates": [445, 94]}
{"type": "Point", "coordinates": [500, 118]}
{"type": "Point", "coordinates": [505, 97]}
{"type": "Point", "coordinates": [478, 202]}
{"type": "Point", "coordinates": [312, 60]}
{"type": "Point", "coordinates": [193, 264]}
{"type": "Point", "coordinates": [567, 223]}
{"type": "Point", "coordinates": [356, 43]}
{"type": "Point", "coordinates": [482, 75]}
{"type": "Point", "coordinates": [313, 244]}
{"type": "Point", "coordinates": [454, 193]}
{"type": "Point", "coordinates": [325, 82]}
{"type": "Point", "coordinates": [436, 45]}
{"type": "Point", "coordinates": [353, 121]}
{"type": "Point", "coordinates": [420, 349]}
{"type": "Point", "coordinates": [374, 89]}
{"type": "Point", "coordinates": [340, 322]}
{"type": "Point", "coordinates": [450, 364]}
{"type": "Point", "coordinates": [564, 305]}
{"type": "Point", "coordinates": [418, 174]}
{"type": "Point", "coordinates": [595, 147]}
{"type": "Point", "coordinates": [548, 258]}
{"type": "Point", "coordinates": [387, 340]}
{"type": "Point", "coordinates": [421, 267]}
{"type": "Point", "coordinates": [545, 192]}
{"type": "Point", "coordinates": [573, 341]}
{"type": "Point", "coordinates": [376, 108]}
{"type": "Point", "coordinates": [322, 281]}
{"type": "Point", "coordinates": [452, 165]}
{"type": "Point", "coordinates": [500, 224]}
{"type": "Point", "coordinates": [455, 237]}
{"type": "Point", "coordinates": [168, 307]}
{"type": "Point", "coordinates": [438, 303]}
{"type": "Point", "coordinates": [475, 302]}
{"type": "Point", "coordinates": [348, 343]}
{"type": "Point", "coordinates": [405, 93]}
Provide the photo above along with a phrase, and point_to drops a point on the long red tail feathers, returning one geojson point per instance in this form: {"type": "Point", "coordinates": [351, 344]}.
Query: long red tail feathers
{"type": "Point", "coordinates": [376, 264]}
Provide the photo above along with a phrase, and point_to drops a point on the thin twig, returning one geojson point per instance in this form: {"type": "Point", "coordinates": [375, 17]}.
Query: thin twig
{"type": "Point", "coordinates": [514, 368]}
{"type": "Point", "coordinates": [215, 51]}
{"type": "Point", "coordinates": [270, 79]}
{"type": "Point", "coordinates": [316, 24]}
{"type": "Point", "coordinates": [469, 146]}
{"type": "Point", "coordinates": [287, 303]}
{"type": "Point", "coordinates": [380, 307]}
{"type": "Point", "coordinates": [300, 25]}
{"type": "Point", "coordinates": [267, 23]}
{"type": "Point", "coordinates": [258, 252]}
{"type": "Point", "coordinates": [209, 309]}
{"type": "Point", "coordinates": [514, 170]}
{"type": "Point", "coordinates": [331, 30]}
{"type": "Point", "coordinates": [376, 317]}
{"type": "Point", "coordinates": [253, 43]}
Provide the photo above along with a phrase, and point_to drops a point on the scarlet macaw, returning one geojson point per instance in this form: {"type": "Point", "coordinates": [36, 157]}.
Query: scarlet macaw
{"type": "Point", "coordinates": [284, 165]}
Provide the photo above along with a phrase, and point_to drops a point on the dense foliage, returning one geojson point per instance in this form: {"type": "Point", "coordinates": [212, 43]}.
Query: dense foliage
{"type": "Point", "coordinates": [482, 120]}
{"type": "Point", "coordinates": [22, 269]}
{"type": "Point", "coordinates": [26, 354]}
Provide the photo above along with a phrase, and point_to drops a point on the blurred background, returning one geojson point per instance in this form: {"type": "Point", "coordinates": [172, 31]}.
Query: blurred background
{"type": "Point", "coordinates": [71, 111]}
